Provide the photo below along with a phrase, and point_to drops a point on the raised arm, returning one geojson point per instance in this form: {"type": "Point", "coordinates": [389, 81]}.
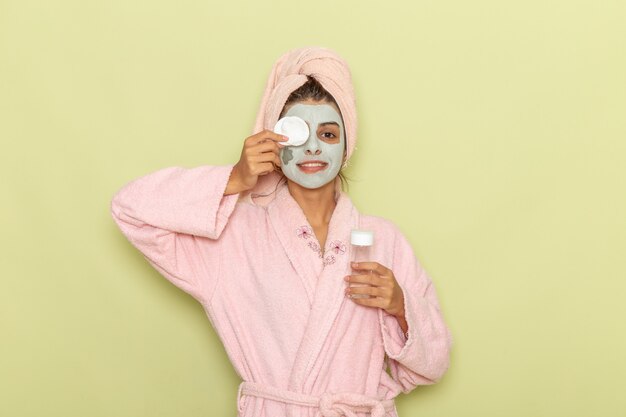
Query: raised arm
{"type": "Point", "coordinates": [423, 358]}
{"type": "Point", "coordinates": [175, 217]}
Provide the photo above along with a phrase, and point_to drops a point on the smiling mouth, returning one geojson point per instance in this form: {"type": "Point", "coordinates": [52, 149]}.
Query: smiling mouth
{"type": "Point", "coordinates": [311, 167]}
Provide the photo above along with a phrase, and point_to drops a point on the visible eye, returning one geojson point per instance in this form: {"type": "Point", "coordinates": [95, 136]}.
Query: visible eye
{"type": "Point", "coordinates": [332, 135]}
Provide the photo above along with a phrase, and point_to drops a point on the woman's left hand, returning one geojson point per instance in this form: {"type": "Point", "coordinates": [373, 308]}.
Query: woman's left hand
{"type": "Point", "coordinates": [381, 286]}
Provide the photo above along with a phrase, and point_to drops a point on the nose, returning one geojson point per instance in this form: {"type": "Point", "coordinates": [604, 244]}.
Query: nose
{"type": "Point", "coordinates": [312, 145]}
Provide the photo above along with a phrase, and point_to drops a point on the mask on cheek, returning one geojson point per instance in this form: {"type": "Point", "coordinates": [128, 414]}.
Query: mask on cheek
{"type": "Point", "coordinates": [318, 161]}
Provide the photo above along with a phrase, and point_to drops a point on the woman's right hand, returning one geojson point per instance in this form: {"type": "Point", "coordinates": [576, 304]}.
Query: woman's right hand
{"type": "Point", "coordinates": [259, 156]}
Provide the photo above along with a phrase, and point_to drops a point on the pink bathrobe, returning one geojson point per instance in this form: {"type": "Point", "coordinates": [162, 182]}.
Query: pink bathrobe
{"type": "Point", "coordinates": [277, 302]}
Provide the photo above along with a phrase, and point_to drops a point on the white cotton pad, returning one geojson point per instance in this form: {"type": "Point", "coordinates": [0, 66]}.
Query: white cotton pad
{"type": "Point", "coordinates": [294, 128]}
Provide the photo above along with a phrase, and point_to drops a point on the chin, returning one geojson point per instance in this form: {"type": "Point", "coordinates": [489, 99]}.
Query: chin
{"type": "Point", "coordinates": [311, 186]}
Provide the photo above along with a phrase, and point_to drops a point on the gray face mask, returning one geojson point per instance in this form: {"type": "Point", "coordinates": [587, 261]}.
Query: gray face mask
{"type": "Point", "coordinates": [318, 161]}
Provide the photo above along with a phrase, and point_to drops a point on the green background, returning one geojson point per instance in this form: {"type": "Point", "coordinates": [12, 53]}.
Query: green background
{"type": "Point", "coordinates": [492, 132]}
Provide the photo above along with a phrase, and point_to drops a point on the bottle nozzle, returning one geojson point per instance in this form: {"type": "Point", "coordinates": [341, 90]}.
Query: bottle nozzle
{"type": "Point", "coordinates": [362, 237]}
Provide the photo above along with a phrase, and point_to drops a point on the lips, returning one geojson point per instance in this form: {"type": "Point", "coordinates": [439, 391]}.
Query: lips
{"type": "Point", "coordinates": [310, 167]}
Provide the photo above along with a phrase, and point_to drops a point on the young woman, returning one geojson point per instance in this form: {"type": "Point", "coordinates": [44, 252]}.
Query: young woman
{"type": "Point", "coordinates": [264, 246]}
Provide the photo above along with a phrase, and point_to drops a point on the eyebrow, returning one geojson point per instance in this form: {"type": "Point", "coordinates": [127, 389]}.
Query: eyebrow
{"type": "Point", "coordinates": [329, 123]}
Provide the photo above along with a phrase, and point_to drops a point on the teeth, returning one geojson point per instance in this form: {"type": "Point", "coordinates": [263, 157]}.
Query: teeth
{"type": "Point", "coordinates": [312, 164]}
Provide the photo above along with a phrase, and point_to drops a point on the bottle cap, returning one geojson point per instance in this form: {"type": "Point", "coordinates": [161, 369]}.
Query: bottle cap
{"type": "Point", "coordinates": [362, 237]}
{"type": "Point", "coordinates": [294, 128]}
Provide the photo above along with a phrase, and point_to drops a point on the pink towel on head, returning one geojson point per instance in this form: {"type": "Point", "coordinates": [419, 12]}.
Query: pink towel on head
{"type": "Point", "coordinates": [288, 74]}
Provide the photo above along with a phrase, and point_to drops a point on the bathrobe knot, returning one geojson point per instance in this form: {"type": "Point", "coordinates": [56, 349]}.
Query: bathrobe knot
{"type": "Point", "coordinates": [330, 404]}
{"type": "Point", "coordinates": [347, 404]}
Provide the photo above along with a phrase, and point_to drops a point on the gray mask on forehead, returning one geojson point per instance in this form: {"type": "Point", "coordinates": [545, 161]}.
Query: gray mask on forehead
{"type": "Point", "coordinates": [317, 146]}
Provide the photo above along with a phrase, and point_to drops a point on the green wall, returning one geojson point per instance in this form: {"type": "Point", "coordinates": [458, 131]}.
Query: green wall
{"type": "Point", "coordinates": [493, 133]}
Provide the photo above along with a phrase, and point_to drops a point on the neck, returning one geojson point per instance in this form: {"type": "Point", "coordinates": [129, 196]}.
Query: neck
{"type": "Point", "coordinates": [317, 204]}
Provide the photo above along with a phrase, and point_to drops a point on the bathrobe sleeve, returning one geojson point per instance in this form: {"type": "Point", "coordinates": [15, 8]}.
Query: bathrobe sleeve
{"type": "Point", "coordinates": [424, 357]}
{"type": "Point", "coordinates": [175, 217]}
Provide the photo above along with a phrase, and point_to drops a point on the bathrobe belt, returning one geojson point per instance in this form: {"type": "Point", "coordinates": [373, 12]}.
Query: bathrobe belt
{"type": "Point", "coordinates": [330, 404]}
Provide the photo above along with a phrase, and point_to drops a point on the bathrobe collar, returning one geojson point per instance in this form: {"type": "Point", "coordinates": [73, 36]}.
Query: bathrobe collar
{"type": "Point", "coordinates": [321, 271]}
